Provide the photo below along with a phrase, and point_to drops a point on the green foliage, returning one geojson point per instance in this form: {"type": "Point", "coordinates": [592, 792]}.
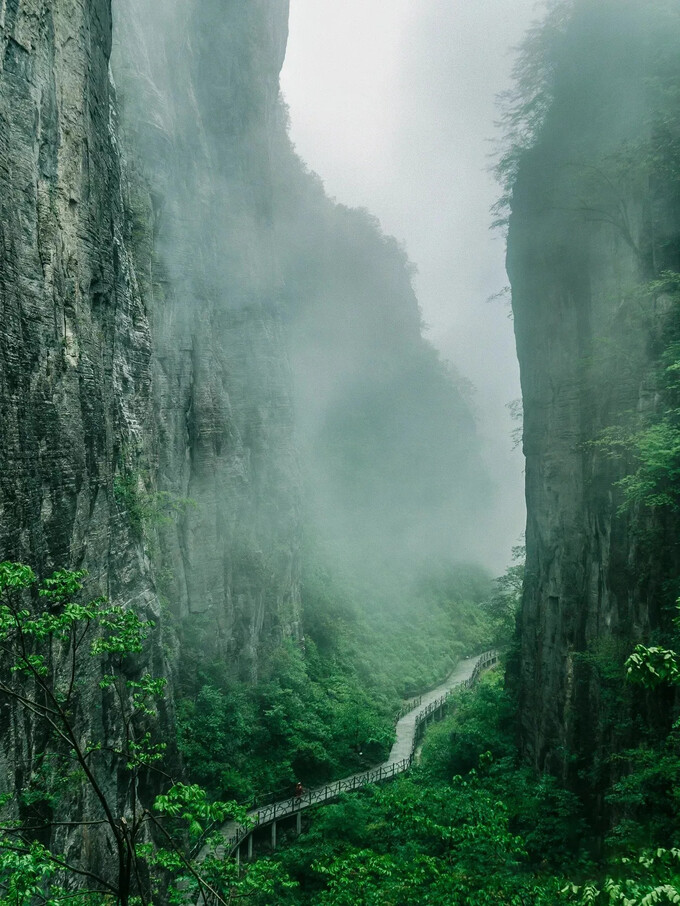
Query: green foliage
{"type": "Point", "coordinates": [489, 834]}
{"type": "Point", "coordinates": [651, 666]}
{"type": "Point", "coordinates": [650, 451]}
{"type": "Point", "coordinates": [656, 481]}
{"type": "Point", "coordinates": [52, 648]}
{"type": "Point", "coordinates": [646, 796]}
{"type": "Point", "coordinates": [526, 105]}
{"type": "Point", "coordinates": [192, 805]}
{"type": "Point", "coordinates": [416, 843]}
{"type": "Point", "coordinates": [146, 507]}
{"type": "Point", "coordinates": [482, 722]}
{"type": "Point", "coordinates": [309, 719]}
{"type": "Point", "coordinates": [415, 631]}
{"type": "Point", "coordinates": [324, 707]}
{"type": "Point", "coordinates": [502, 607]}
{"type": "Point", "coordinates": [637, 882]}
{"type": "Point", "coordinates": [478, 740]}
{"type": "Point", "coordinates": [29, 875]}
{"type": "Point", "coordinates": [645, 799]}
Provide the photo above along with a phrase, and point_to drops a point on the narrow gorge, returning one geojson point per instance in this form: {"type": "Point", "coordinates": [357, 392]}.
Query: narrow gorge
{"type": "Point", "coordinates": [201, 352]}
{"type": "Point", "coordinates": [247, 502]}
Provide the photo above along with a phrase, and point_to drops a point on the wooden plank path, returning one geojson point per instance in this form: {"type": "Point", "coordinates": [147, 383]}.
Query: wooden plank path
{"type": "Point", "coordinates": [399, 761]}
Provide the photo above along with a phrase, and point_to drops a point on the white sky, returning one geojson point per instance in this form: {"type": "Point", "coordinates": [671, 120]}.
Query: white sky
{"type": "Point", "coordinates": [393, 105]}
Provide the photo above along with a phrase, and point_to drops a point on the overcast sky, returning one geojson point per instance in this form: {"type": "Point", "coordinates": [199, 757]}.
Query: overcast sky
{"type": "Point", "coordinates": [393, 105]}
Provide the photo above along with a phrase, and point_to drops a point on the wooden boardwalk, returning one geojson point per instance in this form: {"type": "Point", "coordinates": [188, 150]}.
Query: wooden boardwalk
{"type": "Point", "coordinates": [408, 729]}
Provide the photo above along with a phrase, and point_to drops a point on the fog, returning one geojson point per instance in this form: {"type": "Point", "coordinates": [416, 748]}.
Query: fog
{"type": "Point", "coordinates": [393, 103]}
{"type": "Point", "coordinates": [298, 403]}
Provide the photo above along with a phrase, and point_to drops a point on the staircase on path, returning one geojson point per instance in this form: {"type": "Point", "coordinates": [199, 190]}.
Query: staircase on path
{"type": "Point", "coordinates": [399, 761]}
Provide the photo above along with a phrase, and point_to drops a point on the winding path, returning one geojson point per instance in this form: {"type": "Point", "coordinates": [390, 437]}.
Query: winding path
{"type": "Point", "coordinates": [399, 761]}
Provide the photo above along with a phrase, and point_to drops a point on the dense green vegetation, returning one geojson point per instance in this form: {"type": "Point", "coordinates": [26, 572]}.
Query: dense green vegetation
{"type": "Point", "coordinates": [471, 825]}
{"type": "Point", "coordinates": [649, 441]}
{"type": "Point", "coordinates": [502, 605]}
{"type": "Point", "coordinates": [322, 708]}
{"type": "Point", "coordinates": [57, 649]}
{"type": "Point", "coordinates": [325, 705]}
{"type": "Point", "coordinates": [467, 827]}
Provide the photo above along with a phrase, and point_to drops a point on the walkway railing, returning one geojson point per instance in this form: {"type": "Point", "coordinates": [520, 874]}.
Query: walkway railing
{"type": "Point", "coordinates": [488, 659]}
{"type": "Point", "coordinates": [265, 815]}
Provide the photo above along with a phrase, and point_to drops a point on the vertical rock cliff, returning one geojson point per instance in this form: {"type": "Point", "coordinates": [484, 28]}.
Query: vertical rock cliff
{"type": "Point", "coordinates": [164, 253]}
{"type": "Point", "coordinates": [182, 308]}
{"type": "Point", "coordinates": [594, 222]}
{"type": "Point", "coordinates": [198, 85]}
{"type": "Point", "coordinates": [279, 319]}
{"type": "Point", "coordinates": [75, 360]}
{"type": "Point", "coordinates": [75, 352]}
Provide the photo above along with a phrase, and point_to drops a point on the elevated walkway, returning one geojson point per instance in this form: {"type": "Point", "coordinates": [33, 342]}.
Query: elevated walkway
{"type": "Point", "coordinates": [408, 730]}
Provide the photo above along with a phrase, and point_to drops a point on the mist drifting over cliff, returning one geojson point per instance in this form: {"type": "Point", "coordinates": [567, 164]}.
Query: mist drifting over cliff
{"type": "Point", "coordinates": [397, 113]}
{"type": "Point", "coordinates": [375, 451]}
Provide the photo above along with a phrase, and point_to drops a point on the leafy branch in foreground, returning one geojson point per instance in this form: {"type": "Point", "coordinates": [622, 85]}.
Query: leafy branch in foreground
{"type": "Point", "coordinates": [652, 666]}
{"type": "Point", "coordinates": [641, 887]}
{"type": "Point", "coordinates": [55, 650]}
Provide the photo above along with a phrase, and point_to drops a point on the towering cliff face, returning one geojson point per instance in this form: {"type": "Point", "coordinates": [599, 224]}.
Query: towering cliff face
{"type": "Point", "coordinates": [164, 257]}
{"type": "Point", "coordinates": [594, 221]}
{"type": "Point", "coordinates": [75, 351]}
{"type": "Point", "coordinates": [142, 366]}
{"type": "Point", "coordinates": [253, 266]}
{"type": "Point", "coordinates": [198, 84]}
{"type": "Point", "coordinates": [161, 246]}
{"type": "Point", "coordinates": [75, 367]}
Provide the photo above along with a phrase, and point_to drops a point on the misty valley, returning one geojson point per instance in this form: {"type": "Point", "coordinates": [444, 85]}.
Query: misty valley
{"type": "Point", "coordinates": [271, 632]}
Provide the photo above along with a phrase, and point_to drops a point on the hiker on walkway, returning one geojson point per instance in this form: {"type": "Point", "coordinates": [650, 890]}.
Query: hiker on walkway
{"type": "Point", "coordinates": [299, 790]}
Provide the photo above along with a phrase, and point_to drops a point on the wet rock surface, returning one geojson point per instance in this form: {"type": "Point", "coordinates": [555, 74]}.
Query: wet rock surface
{"type": "Point", "coordinates": [75, 345]}
{"type": "Point", "coordinates": [199, 95]}
{"type": "Point", "coordinates": [588, 231]}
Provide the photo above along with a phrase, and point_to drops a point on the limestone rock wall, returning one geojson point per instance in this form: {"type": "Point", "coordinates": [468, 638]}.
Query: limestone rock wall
{"type": "Point", "coordinates": [75, 346]}
{"type": "Point", "coordinates": [199, 97]}
{"type": "Point", "coordinates": [75, 349]}
{"type": "Point", "coordinates": [594, 220]}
